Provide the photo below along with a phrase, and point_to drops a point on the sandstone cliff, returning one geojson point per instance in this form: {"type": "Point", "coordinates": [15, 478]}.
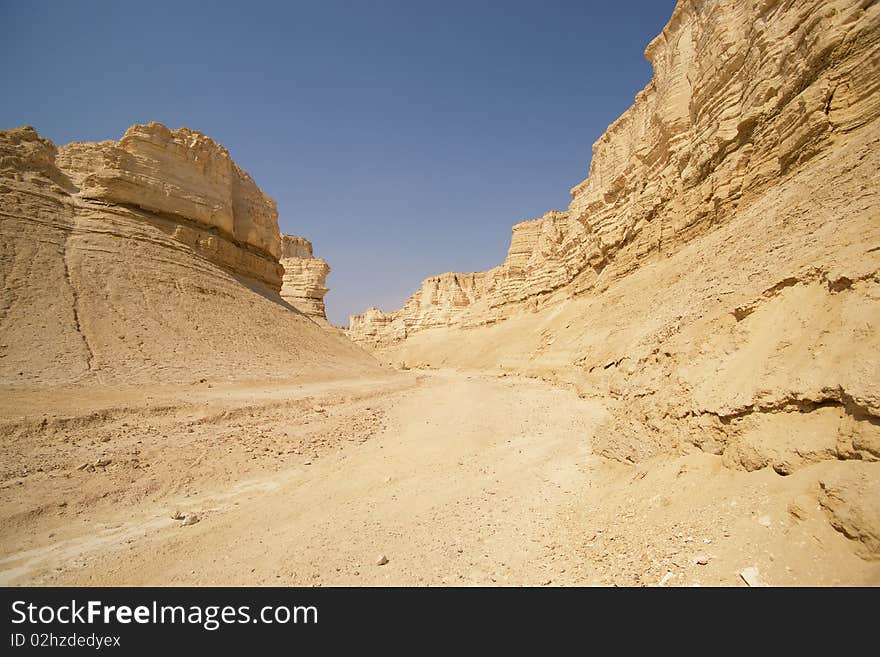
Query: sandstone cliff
{"type": "Point", "coordinates": [717, 275]}
{"type": "Point", "coordinates": [190, 179]}
{"type": "Point", "coordinates": [744, 94]}
{"type": "Point", "coordinates": [152, 258]}
{"type": "Point", "coordinates": [305, 278]}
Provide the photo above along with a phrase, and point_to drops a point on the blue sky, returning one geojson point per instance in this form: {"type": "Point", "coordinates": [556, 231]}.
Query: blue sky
{"type": "Point", "coordinates": [403, 138]}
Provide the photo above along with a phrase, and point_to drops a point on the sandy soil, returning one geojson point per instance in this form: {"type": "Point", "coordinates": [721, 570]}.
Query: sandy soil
{"type": "Point", "coordinates": [455, 478]}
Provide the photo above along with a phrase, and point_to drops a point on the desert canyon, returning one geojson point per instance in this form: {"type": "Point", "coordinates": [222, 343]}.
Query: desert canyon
{"type": "Point", "coordinates": [674, 381]}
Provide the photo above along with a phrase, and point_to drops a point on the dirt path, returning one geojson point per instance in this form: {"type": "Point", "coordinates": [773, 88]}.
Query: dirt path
{"type": "Point", "coordinates": [462, 479]}
{"type": "Point", "coordinates": [455, 478]}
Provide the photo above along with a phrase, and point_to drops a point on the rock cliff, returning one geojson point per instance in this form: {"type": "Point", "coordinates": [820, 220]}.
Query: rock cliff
{"type": "Point", "coordinates": [305, 278]}
{"type": "Point", "coordinates": [155, 258]}
{"type": "Point", "coordinates": [190, 179]}
{"type": "Point", "coordinates": [744, 94]}
{"type": "Point", "coordinates": [717, 275]}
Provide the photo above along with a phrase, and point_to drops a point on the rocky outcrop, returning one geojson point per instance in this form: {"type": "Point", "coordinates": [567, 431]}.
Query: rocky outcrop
{"type": "Point", "coordinates": [743, 95]}
{"type": "Point", "coordinates": [187, 177]}
{"type": "Point", "coordinates": [715, 282]}
{"type": "Point", "coordinates": [474, 299]}
{"type": "Point", "coordinates": [851, 499]}
{"type": "Point", "coordinates": [154, 258]}
{"type": "Point", "coordinates": [305, 278]}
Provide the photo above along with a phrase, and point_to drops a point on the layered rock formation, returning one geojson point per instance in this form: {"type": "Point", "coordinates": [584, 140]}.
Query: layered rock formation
{"type": "Point", "coordinates": [305, 278]}
{"type": "Point", "coordinates": [743, 95]}
{"type": "Point", "coordinates": [191, 179]}
{"type": "Point", "coordinates": [716, 279]}
{"type": "Point", "coordinates": [152, 258]}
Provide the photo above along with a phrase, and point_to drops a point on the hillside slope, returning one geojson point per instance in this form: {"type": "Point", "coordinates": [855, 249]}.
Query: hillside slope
{"type": "Point", "coordinates": [716, 279]}
{"type": "Point", "coordinates": [744, 96]}
{"type": "Point", "coordinates": [154, 258]}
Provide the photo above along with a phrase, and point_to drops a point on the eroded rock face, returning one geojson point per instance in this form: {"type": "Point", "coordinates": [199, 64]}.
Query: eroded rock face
{"type": "Point", "coordinates": [184, 176]}
{"type": "Point", "coordinates": [715, 281]}
{"type": "Point", "coordinates": [743, 94]}
{"type": "Point", "coordinates": [151, 259]}
{"type": "Point", "coordinates": [851, 498]}
{"type": "Point", "coordinates": [305, 277]}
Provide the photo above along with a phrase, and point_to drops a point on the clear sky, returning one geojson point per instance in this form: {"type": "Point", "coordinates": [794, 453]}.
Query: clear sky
{"type": "Point", "coordinates": [404, 138]}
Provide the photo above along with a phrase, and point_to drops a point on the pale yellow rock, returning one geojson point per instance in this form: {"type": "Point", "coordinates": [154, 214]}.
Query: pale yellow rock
{"type": "Point", "coordinates": [182, 173]}
{"type": "Point", "coordinates": [154, 259]}
{"type": "Point", "coordinates": [743, 94]}
{"type": "Point", "coordinates": [187, 178]}
{"type": "Point", "coordinates": [718, 272]}
{"type": "Point", "coordinates": [305, 277]}
{"type": "Point", "coordinates": [712, 292]}
{"type": "Point", "coordinates": [295, 247]}
{"type": "Point", "coordinates": [851, 498]}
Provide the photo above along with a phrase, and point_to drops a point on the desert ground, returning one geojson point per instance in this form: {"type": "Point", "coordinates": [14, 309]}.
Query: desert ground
{"type": "Point", "coordinates": [456, 478]}
{"type": "Point", "coordinates": [674, 381]}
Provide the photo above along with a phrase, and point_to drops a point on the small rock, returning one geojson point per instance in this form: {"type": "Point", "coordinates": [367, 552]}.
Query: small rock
{"type": "Point", "coordinates": [381, 561]}
{"type": "Point", "coordinates": [701, 559]}
{"type": "Point", "coordinates": [319, 409]}
{"type": "Point", "coordinates": [668, 576]}
{"type": "Point", "coordinates": [751, 576]}
{"type": "Point", "coordinates": [764, 521]}
{"type": "Point", "coordinates": [307, 463]}
{"type": "Point", "coordinates": [547, 582]}
{"type": "Point", "coordinates": [177, 515]}
{"type": "Point", "coordinates": [83, 466]}
{"type": "Point", "coordinates": [100, 463]}
{"type": "Point", "coordinates": [190, 519]}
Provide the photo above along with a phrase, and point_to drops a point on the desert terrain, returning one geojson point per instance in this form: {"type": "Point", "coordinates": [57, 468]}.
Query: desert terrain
{"type": "Point", "coordinates": [455, 478]}
{"type": "Point", "coordinates": [674, 381]}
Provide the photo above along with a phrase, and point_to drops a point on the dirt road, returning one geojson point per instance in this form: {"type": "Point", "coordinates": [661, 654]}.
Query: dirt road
{"type": "Point", "coordinates": [454, 478]}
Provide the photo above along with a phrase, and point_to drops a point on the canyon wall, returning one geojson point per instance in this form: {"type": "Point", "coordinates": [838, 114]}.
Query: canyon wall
{"type": "Point", "coordinates": [744, 94]}
{"type": "Point", "coordinates": [715, 281]}
{"type": "Point", "coordinates": [154, 258]}
{"type": "Point", "coordinates": [189, 178]}
{"type": "Point", "coordinates": [305, 278]}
